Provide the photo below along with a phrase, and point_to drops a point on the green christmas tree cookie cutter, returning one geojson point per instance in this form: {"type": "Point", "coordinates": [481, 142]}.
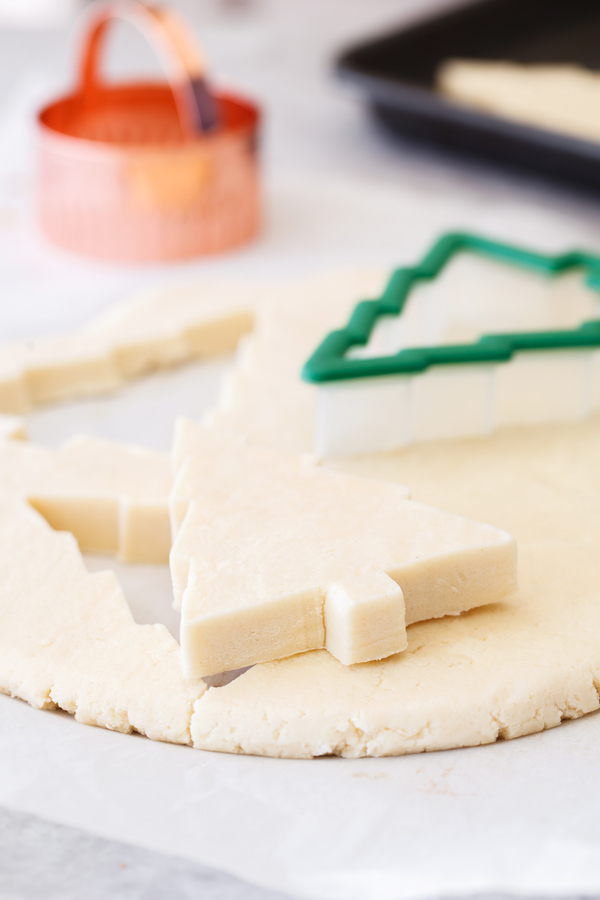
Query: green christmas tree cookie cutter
{"type": "Point", "coordinates": [329, 362]}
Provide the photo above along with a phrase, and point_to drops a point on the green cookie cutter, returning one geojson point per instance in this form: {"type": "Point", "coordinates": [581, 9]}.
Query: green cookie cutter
{"type": "Point", "coordinates": [329, 363]}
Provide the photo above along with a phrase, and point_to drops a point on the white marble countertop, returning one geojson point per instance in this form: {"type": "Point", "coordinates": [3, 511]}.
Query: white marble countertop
{"type": "Point", "coordinates": [40, 860]}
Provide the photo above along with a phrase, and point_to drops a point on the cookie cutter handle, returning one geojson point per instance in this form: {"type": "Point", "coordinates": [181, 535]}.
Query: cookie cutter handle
{"type": "Point", "coordinates": [182, 62]}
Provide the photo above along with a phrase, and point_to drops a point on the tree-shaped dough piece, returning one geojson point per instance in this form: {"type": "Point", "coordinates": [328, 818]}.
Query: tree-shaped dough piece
{"type": "Point", "coordinates": [275, 555]}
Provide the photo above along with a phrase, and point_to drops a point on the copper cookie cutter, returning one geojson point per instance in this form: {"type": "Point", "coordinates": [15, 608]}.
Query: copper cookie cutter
{"type": "Point", "coordinates": [147, 171]}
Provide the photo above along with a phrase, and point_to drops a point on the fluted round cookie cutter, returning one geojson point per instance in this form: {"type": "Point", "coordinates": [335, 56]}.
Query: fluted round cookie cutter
{"type": "Point", "coordinates": [147, 171]}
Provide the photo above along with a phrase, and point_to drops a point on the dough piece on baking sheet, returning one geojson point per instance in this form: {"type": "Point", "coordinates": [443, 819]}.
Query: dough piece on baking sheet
{"type": "Point", "coordinates": [112, 497]}
{"type": "Point", "coordinates": [276, 555]}
{"type": "Point", "coordinates": [264, 397]}
{"type": "Point", "coordinates": [68, 639]}
{"type": "Point", "coordinates": [505, 670]}
{"type": "Point", "coordinates": [12, 428]}
{"type": "Point", "coordinates": [158, 329]}
{"type": "Point", "coordinates": [563, 98]}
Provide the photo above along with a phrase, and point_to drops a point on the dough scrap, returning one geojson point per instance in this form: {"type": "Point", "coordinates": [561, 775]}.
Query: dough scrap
{"type": "Point", "coordinates": [112, 497]}
{"type": "Point", "coordinates": [563, 98]}
{"type": "Point", "coordinates": [275, 555]}
{"type": "Point", "coordinates": [159, 329]}
{"type": "Point", "coordinates": [498, 671]}
{"type": "Point", "coordinates": [68, 639]}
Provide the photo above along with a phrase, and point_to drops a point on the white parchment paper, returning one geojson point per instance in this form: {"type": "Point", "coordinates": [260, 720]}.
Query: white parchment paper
{"type": "Point", "coordinates": [520, 816]}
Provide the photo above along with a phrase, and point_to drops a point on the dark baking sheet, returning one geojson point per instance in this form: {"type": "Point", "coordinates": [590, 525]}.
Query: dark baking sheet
{"type": "Point", "coordinates": [396, 72]}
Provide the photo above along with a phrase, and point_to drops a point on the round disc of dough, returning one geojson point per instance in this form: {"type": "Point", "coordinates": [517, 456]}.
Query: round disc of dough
{"type": "Point", "coordinates": [497, 672]}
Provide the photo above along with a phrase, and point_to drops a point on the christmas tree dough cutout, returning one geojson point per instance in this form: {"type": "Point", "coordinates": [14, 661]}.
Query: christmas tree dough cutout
{"type": "Point", "coordinates": [275, 555]}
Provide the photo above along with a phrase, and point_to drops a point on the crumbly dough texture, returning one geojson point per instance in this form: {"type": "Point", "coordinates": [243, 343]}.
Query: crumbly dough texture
{"type": "Point", "coordinates": [563, 98]}
{"type": "Point", "coordinates": [275, 555]}
{"type": "Point", "coordinates": [68, 639]}
{"type": "Point", "coordinates": [155, 330]}
{"type": "Point", "coordinates": [112, 497]}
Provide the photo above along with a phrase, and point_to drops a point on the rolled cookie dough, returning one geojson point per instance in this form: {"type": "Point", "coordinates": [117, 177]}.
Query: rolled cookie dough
{"type": "Point", "coordinates": [499, 671]}
{"type": "Point", "coordinates": [275, 555]}
{"type": "Point", "coordinates": [112, 497]}
{"type": "Point", "coordinates": [68, 639]}
{"type": "Point", "coordinates": [510, 669]}
{"type": "Point", "coordinates": [155, 330]}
